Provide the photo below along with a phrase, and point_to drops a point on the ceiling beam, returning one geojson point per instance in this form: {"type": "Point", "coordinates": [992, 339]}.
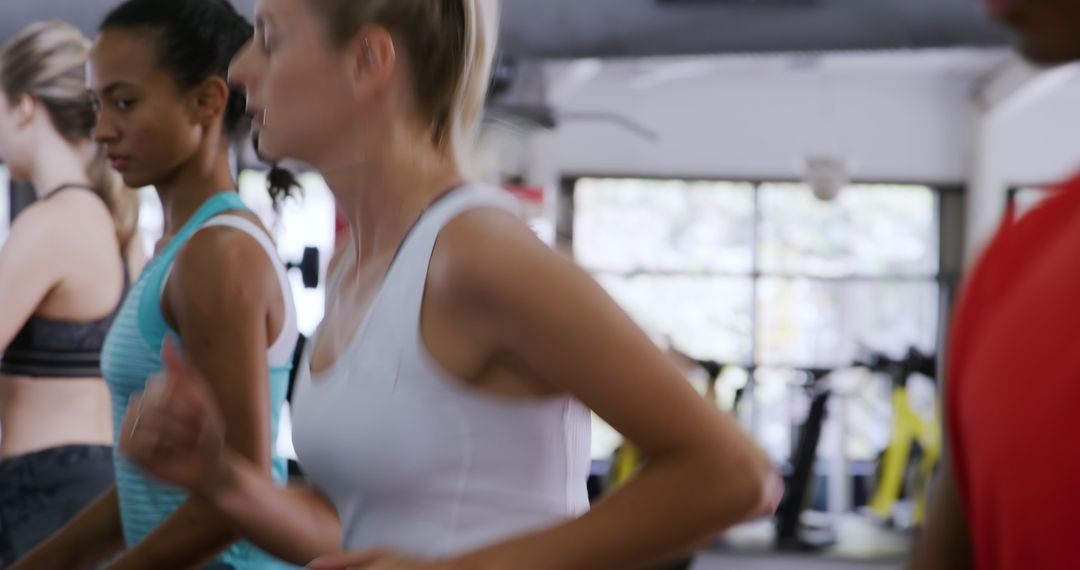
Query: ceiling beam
{"type": "Point", "coordinates": [565, 29]}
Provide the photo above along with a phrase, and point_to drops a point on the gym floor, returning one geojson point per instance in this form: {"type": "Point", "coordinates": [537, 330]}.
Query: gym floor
{"type": "Point", "coordinates": [727, 561]}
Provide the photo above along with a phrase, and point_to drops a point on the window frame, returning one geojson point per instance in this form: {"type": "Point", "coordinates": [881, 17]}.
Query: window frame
{"type": "Point", "coordinates": [948, 208]}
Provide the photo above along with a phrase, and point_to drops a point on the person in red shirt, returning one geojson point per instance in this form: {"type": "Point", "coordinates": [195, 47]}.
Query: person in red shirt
{"type": "Point", "coordinates": [1008, 495]}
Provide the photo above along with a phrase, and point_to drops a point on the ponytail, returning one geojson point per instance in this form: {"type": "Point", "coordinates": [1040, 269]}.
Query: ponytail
{"type": "Point", "coordinates": [281, 183]}
{"type": "Point", "coordinates": [450, 43]}
{"type": "Point", "coordinates": [481, 19]}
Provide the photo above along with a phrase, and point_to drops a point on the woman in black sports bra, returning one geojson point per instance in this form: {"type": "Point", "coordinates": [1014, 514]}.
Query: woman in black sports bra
{"type": "Point", "coordinates": [63, 271]}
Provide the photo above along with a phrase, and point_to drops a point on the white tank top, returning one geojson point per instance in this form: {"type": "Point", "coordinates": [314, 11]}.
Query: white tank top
{"type": "Point", "coordinates": [414, 459]}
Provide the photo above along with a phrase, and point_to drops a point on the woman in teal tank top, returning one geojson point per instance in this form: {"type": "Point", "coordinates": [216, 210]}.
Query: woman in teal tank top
{"type": "Point", "coordinates": [166, 115]}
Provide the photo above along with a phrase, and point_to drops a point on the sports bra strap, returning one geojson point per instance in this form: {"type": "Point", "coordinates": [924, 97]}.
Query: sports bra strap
{"type": "Point", "coordinates": [70, 186]}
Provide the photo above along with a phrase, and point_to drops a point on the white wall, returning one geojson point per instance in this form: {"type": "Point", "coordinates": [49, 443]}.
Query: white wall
{"type": "Point", "coordinates": [1042, 140]}
{"type": "Point", "coordinates": [895, 116]}
{"type": "Point", "coordinates": [1028, 135]}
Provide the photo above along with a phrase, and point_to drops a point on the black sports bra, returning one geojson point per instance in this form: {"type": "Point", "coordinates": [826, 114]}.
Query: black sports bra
{"type": "Point", "coordinates": [50, 348]}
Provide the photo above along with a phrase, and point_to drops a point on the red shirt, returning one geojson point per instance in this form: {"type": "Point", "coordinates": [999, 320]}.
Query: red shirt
{"type": "Point", "coordinates": [1013, 392]}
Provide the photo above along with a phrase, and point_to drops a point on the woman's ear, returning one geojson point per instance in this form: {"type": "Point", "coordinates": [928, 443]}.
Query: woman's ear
{"type": "Point", "coordinates": [210, 101]}
{"type": "Point", "coordinates": [24, 110]}
{"type": "Point", "coordinates": [371, 59]}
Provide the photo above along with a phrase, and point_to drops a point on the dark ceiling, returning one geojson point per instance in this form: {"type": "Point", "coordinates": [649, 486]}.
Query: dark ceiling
{"type": "Point", "coordinates": [631, 28]}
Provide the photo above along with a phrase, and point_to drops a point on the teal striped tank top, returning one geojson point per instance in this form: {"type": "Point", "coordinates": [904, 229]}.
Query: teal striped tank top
{"type": "Point", "coordinates": [131, 355]}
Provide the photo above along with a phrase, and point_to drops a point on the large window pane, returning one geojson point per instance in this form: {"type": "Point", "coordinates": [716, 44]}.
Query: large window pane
{"type": "Point", "coordinates": [870, 230]}
{"type": "Point", "coordinates": [813, 323]}
{"type": "Point", "coordinates": [707, 317]}
{"type": "Point", "coordinates": [627, 225]}
{"type": "Point", "coordinates": [832, 279]}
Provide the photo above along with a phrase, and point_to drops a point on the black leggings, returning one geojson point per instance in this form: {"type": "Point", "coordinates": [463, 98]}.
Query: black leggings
{"type": "Point", "coordinates": [40, 492]}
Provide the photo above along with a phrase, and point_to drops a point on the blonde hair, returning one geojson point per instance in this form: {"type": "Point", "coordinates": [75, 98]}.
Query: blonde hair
{"type": "Point", "coordinates": [451, 45]}
{"type": "Point", "coordinates": [47, 61]}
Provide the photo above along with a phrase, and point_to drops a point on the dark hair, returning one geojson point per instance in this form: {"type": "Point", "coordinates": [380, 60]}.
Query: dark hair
{"type": "Point", "coordinates": [197, 40]}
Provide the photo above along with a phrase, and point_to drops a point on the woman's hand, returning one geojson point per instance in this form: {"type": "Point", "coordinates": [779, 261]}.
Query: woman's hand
{"type": "Point", "coordinates": [174, 431]}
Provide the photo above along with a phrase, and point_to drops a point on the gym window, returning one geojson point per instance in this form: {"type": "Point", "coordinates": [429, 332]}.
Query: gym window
{"type": "Point", "coordinates": [765, 276]}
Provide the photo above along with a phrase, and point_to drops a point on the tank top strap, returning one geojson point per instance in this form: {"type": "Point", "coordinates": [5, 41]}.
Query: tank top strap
{"type": "Point", "coordinates": [213, 206]}
{"type": "Point", "coordinates": [281, 348]}
{"type": "Point", "coordinates": [151, 320]}
{"type": "Point", "coordinates": [408, 277]}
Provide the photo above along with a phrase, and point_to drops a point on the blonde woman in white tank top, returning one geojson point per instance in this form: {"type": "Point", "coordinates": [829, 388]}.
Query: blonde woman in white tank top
{"type": "Point", "coordinates": [441, 416]}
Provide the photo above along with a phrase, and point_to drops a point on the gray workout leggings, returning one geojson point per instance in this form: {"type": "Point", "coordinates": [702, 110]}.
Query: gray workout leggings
{"type": "Point", "coordinates": [40, 492]}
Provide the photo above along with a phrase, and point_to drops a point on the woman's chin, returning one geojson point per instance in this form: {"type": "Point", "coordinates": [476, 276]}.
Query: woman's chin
{"type": "Point", "coordinates": [133, 180]}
